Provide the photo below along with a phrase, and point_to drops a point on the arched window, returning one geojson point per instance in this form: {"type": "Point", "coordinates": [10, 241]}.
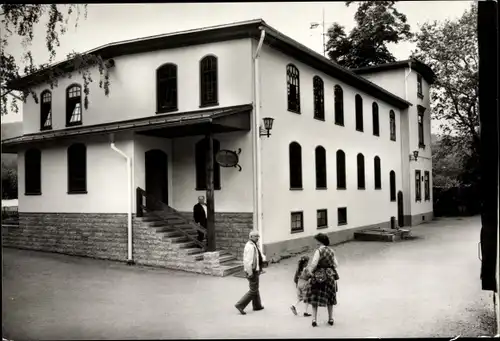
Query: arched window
{"type": "Point", "coordinates": [33, 172]}
{"type": "Point", "coordinates": [361, 171]}
{"type": "Point", "coordinates": [77, 168]}
{"type": "Point", "coordinates": [376, 125]}
{"type": "Point", "coordinates": [339, 105]}
{"type": "Point", "coordinates": [341, 179]}
{"type": "Point", "coordinates": [319, 98]}
{"type": "Point", "coordinates": [208, 81]}
{"type": "Point", "coordinates": [74, 105]}
{"type": "Point", "coordinates": [201, 150]}
{"type": "Point", "coordinates": [295, 156]}
{"type": "Point", "coordinates": [293, 88]}
{"type": "Point", "coordinates": [392, 123]}
{"type": "Point", "coordinates": [377, 173]}
{"type": "Point", "coordinates": [359, 113]}
{"type": "Point", "coordinates": [392, 181]}
{"type": "Point", "coordinates": [166, 88]}
{"type": "Point", "coordinates": [320, 167]}
{"type": "Point", "coordinates": [46, 110]}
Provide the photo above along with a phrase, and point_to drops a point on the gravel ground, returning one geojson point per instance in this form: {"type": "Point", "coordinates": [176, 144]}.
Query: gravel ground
{"type": "Point", "coordinates": [425, 287]}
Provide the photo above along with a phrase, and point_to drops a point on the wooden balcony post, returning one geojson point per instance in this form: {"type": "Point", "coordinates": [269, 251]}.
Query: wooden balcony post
{"type": "Point", "coordinates": [210, 193]}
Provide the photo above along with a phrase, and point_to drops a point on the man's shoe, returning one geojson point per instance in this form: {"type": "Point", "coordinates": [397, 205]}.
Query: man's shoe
{"type": "Point", "coordinates": [257, 309]}
{"type": "Point", "coordinates": [240, 310]}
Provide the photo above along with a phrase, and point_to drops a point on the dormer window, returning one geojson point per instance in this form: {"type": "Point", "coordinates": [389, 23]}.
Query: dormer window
{"type": "Point", "coordinates": [74, 105]}
{"type": "Point", "coordinates": [420, 93]}
{"type": "Point", "coordinates": [46, 110]}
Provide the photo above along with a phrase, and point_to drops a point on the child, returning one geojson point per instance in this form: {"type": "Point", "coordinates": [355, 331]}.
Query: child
{"type": "Point", "coordinates": [301, 280]}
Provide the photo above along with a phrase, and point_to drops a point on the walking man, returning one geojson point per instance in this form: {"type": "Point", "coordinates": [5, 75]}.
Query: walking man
{"type": "Point", "coordinates": [200, 215]}
{"type": "Point", "coordinates": [252, 264]}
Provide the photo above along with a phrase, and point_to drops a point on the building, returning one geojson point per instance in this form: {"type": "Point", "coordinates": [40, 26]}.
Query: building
{"type": "Point", "coordinates": [336, 159]}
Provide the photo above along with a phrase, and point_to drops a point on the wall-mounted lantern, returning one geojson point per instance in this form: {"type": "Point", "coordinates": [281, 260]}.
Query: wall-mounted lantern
{"type": "Point", "coordinates": [414, 157]}
{"type": "Point", "coordinates": [268, 125]}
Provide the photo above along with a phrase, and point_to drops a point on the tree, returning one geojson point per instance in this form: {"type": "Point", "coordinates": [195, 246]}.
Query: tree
{"type": "Point", "coordinates": [450, 49]}
{"type": "Point", "coordinates": [377, 24]}
{"type": "Point", "coordinates": [21, 20]}
{"type": "Point", "coordinates": [447, 162]}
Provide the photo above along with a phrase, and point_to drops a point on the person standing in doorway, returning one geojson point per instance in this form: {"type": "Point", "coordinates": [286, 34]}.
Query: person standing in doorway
{"type": "Point", "coordinates": [200, 215]}
{"type": "Point", "coordinates": [252, 264]}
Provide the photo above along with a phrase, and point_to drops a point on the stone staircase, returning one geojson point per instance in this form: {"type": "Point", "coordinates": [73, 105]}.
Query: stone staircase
{"type": "Point", "coordinates": [166, 239]}
{"type": "Point", "coordinates": [382, 234]}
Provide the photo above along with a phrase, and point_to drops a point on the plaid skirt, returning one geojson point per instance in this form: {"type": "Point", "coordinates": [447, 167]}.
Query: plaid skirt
{"type": "Point", "coordinates": [322, 294]}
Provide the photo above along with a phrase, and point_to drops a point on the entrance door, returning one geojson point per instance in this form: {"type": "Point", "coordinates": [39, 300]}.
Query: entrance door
{"type": "Point", "coordinates": [400, 210]}
{"type": "Point", "coordinates": [156, 177]}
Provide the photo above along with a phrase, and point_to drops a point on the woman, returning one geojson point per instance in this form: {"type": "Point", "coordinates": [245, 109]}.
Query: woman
{"type": "Point", "coordinates": [323, 269]}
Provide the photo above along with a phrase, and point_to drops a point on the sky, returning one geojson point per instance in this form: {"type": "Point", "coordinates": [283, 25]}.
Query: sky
{"type": "Point", "coordinates": [106, 23]}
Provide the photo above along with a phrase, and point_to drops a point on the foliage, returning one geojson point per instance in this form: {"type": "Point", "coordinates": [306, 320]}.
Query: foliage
{"type": "Point", "coordinates": [21, 20]}
{"type": "Point", "coordinates": [450, 48]}
{"type": "Point", "coordinates": [377, 24]}
{"type": "Point", "coordinates": [9, 181]}
{"type": "Point", "coordinates": [447, 163]}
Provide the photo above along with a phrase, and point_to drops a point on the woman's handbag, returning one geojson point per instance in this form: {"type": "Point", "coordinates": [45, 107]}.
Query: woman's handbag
{"type": "Point", "coordinates": [335, 275]}
{"type": "Point", "coordinates": [319, 276]}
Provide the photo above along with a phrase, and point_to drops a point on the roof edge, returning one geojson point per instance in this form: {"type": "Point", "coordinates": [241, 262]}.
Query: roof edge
{"type": "Point", "coordinates": [414, 63]}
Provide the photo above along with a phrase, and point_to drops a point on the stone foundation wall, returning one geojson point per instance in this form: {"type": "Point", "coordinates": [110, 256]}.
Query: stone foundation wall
{"type": "Point", "coordinates": [231, 230]}
{"type": "Point", "coordinates": [98, 235]}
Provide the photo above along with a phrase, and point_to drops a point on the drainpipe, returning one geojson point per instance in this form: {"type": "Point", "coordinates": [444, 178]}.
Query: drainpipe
{"type": "Point", "coordinates": [257, 178]}
{"type": "Point", "coordinates": [129, 190]}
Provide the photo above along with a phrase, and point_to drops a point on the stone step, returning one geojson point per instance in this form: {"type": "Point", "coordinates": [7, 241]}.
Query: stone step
{"type": "Point", "coordinates": [193, 251]}
{"type": "Point", "coordinates": [383, 235]}
{"type": "Point", "coordinates": [174, 233]}
{"type": "Point", "coordinates": [178, 239]}
{"type": "Point", "coordinates": [230, 269]}
{"type": "Point", "coordinates": [185, 245]}
{"type": "Point", "coordinates": [226, 259]}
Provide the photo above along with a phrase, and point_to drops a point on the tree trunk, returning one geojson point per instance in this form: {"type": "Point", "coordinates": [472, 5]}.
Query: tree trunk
{"type": "Point", "coordinates": [210, 193]}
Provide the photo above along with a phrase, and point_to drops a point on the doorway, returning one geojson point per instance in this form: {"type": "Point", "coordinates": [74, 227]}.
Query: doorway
{"type": "Point", "coordinates": [156, 178]}
{"type": "Point", "coordinates": [401, 214]}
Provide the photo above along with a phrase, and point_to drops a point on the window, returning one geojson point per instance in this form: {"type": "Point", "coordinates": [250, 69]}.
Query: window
{"type": "Point", "coordinates": [377, 172]}
{"type": "Point", "coordinates": [208, 82]}
{"type": "Point", "coordinates": [392, 182]}
{"type": "Point", "coordinates": [77, 168]}
{"type": "Point", "coordinates": [418, 186]}
{"type": "Point", "coordinates": [322, 218]}
{"type": "Point", "coordinates": [392, 123]}
{"type": "Point", "coordinates": [295, 156]}
{"type": "Point", "coordinates": [427, 187]}
{"type": "Point", "coordinates": [46, 110]}
{"type": "Point", "coordinates": [201, 150]}
{"type": "Point", "coordinates": [361, 171]}
{"type": "Point", "coordinates": [293, 88]}
{"type": "Point", "coordinates": [33, 172]}
{"type": "Point", "coordinates": [342, 216]}
{"type": "Point", "coordinates": [341, 181]}
{"type": "Point", "coordinates": [319, 98]}
{"type": "Point", "coordinates": [166, 88]}
{"type": "Point", "coordinates": [420, 93]}
{"type": "Point", "coordinates": [376, 125]}
{"type": "Point", "coordinates": [320, 167]}
{"type": "Point", "coordinates": [359, 113]}
{"type": "Point", "coordinates": [74, 105]}
{"type": "Point", "coordinates": [297, 224]}
{"type": "Point", "coordinates": [421, 141]}
{"type": "Point", "coordinates": [339, 105]}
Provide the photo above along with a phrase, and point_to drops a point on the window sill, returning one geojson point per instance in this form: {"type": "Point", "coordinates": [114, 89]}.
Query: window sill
{"type": "Point", "coordinates": [342, 224]}
{"type": "Point", "coordinates": [393, 200]}
{"type": "Point", "coordinates": [297, 231]}
{"type": "Point", "coordinates": [340, 124]}
{"type": "Point", "coordinates": [378, 188]}
{"type": "Point", "coordinates": [393, 139]}
{"type": "Point", "coordinates": [322, 119]}
{"type": "Point", "coordinates": [341, 188]}
{"type": "Point", "coordinates": [321, 188]}
{"type": "Point", "coordinates": [296, 189]}
{"type": "Point", "coordinates": [77, 192]}
{"type": "Point", "coordinates": [419, 95]}
{"type": "Point", "coordinates": [360, 130]}
{"type": "Point", "coordinates": [361, 188]}
{"type": "Point", "coordinates": [378, 135]}
{"type": "Point", "coordinates": [207, 105]}
{"type": "Point", "coordinates": [294, 111]}
{"type": "Point", "coordinates": [45, 128]}
{"type": "Point", "coordinates": [204, 189]}
{"type": "Point", "coordinates": [73, 124]}
{"type": "Point", "coordinates": [421, 145]}
{"type": "Point", "coordinates": [32, 193]}
{"type": "Point", "coordinates": [322, 227]}
{"type": "Point", "coordinates": [164, 111]}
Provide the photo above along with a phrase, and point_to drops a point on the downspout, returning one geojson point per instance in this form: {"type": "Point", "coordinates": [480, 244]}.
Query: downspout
{"type": "Point", "coordinates": [129, 192]}
{"type": "Point", "coordinates": [257, 178]}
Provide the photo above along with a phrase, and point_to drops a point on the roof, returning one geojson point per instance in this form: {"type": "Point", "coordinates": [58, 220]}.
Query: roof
{"type": "Point", "coordinates": [142, 124]}
{"type": "Point", "coordinates": [415, 64]}
{"type": "Point", "coordinates": [239, 30]}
